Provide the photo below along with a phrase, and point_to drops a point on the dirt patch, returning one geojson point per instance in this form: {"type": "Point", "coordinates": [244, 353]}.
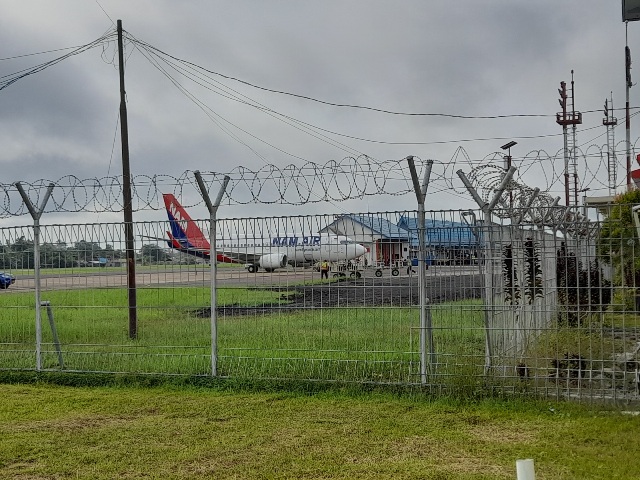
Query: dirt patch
{"type": "Point", "coordinates": [363, 293]}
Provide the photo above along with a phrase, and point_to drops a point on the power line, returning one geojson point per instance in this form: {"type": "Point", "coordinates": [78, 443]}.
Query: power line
{"type": "Point", "coordinates": [11, 78]}
{"type": "Point", "coordinates": [40, 53]}
{"type": "Point", "coordinates": [346, 105]}
{"type": "Point", "coordinates": [236, 96]}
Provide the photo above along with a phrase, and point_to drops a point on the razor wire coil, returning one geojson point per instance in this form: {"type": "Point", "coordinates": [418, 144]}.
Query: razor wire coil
{"type": "Point", "coordinates": [334, 181]}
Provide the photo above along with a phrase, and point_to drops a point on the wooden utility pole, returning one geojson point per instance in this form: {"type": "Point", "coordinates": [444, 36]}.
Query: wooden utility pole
{"type": "Point", "coordinates": [126, 194]}
{"type": "Point", "coordinates": [628, 85]}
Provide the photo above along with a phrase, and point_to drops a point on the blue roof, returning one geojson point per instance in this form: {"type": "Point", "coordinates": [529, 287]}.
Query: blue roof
{"type": "Point", "coordinates": [440, 232]}
{"type": "Point", "coordinates": [381, 226]}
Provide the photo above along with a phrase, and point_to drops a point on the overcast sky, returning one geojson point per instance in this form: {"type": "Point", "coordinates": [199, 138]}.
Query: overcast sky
{"type": "Point", "coordinates": [464, 58]}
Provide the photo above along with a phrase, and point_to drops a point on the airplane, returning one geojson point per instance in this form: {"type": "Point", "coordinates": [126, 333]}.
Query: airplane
{"type": "Point", "coordinates": [268, 253]}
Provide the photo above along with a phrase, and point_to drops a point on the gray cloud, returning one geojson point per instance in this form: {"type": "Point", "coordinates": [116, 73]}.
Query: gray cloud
{"type": "Point", "coordinates": [469, 58]}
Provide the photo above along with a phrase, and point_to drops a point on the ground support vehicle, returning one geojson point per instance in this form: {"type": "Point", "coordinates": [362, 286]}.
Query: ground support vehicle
{"type": "Point", "coordinates": [344, 269]}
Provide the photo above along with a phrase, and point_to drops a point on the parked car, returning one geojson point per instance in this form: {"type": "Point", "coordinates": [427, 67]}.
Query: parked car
{"type": "Point", "coordinates": [6, 279]}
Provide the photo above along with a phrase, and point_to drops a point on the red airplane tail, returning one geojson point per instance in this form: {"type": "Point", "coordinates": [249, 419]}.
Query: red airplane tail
{"type": "Point", "coordinates": [185, 235]}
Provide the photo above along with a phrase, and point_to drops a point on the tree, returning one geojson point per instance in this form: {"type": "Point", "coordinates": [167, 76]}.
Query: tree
{"type": "Point", "coordinates": [22, 253]}
{"type": "Point", "coordinates": [582, 289]}
{"type": "Point", "coordinates": [618, 245]}
{"type": "Point", "coordinates": [86, 251]}
{"type": "Point", "coordinates": [153, 254]}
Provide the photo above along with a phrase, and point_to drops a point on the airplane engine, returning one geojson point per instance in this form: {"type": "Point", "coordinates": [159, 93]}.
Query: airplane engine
{"type": "Point", "coordinates": [273, 261]}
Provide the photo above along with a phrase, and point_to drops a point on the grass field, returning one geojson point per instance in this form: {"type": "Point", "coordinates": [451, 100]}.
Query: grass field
{"type": "Point", "coordinates": [127, 432]}
{"type": "Point", "coordinates": [347, 429]}
{"type": "Point", "coordinates": [378, 344]}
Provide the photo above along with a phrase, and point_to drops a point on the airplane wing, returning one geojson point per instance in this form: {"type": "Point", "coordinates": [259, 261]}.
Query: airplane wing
{"type": "Point", "coordinates": [159, 239]}
{"type": "Point", "coordinates": [237, 256]}
{"type": "Point", "coordinates": [182, 246]}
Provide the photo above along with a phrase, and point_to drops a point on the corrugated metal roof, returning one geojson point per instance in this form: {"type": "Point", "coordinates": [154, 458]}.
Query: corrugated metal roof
{"type": "Point", "coordinates": [381, 226]}
{"type": "Point", "coordinates": [440, 232]}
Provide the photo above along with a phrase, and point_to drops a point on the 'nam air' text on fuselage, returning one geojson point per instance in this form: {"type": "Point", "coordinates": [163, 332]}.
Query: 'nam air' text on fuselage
{"type": "Point", "coordinates": [310, 240]}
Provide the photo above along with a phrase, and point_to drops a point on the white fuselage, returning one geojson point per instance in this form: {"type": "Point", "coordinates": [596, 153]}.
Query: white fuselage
{"type": "Point", "coordinates": [298, 249]}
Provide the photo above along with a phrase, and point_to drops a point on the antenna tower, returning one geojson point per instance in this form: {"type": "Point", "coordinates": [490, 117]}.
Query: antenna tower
{"type": "Point", "coordinates": [610, 122]}
{"type": "Point", "coordinates": [567, 117]}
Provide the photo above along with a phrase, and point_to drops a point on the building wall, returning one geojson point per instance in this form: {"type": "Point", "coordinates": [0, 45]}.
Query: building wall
{"type": "Point", "coordinates": [380, 250]}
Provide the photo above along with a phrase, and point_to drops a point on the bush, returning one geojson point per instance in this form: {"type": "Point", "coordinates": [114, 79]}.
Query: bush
{"type": "Point", "coordinates": [624, 300]}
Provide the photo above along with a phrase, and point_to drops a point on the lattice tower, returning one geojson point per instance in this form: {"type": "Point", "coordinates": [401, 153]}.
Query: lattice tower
{"type": "Point", "coordinates": [610, 122]}
{"type": "Point", "coordinates": [567, 117]}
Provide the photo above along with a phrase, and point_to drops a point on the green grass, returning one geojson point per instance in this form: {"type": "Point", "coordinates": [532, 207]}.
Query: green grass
{"type": "Point", "coordinates": [622, 320]}
{"type": "Point", "coordinates": [106, 432]}
{"type": "Point", "coordinates": [341, 344]}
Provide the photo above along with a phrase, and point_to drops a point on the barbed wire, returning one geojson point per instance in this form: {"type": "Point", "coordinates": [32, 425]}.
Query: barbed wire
{"type": "Point", "coordinates": [334, 181]}
{"type": "Point", "coordinates": [526, 205]}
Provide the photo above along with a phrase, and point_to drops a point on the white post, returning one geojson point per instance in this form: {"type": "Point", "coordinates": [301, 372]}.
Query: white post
{"type": "Point", "coordinates": [525, 470]}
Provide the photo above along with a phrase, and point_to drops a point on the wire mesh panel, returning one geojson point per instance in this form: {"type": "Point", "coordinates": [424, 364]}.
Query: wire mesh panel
{"type": "Point", "coordinates": [591, 348]}
{"type": "Point", "coordinates": [17, 347]}
{"type": "Point", "coordinates": [560, 304]}
{"type": "Point", "coordinates": [297, 322]}
{"type": "Point", "coordinates": [527, 306]}
{"type": "Point", "coordinates": [84, 284]}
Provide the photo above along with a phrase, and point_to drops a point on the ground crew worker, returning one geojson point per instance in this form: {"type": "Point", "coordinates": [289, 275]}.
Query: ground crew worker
{"type": "Point", "coordinates": [324, 269]}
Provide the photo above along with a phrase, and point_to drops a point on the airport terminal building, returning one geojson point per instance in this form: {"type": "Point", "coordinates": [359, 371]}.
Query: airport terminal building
{"type": "Point", "coordinates": [394, 240]}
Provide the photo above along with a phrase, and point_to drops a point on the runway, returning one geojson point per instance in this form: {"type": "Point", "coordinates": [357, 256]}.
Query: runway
{"type": "Point", "coordinates": [189, 276]}
{"type": "Point", "coordinates": [152, 277]}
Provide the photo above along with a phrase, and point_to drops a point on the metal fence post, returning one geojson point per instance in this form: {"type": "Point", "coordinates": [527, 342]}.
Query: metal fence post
{"type": "Point", "coordinates": [213, 208]}
{"type": "Point", "coordinates": [54, 331]}
{"type": "Point", "coordinates": [426, 328]}
{"type": "Point", "coordinates": [527, 208]}
{"type": "Point", "coordinates": [487, 209]}
{"type": "Point", "coordinates": [36, 214]}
